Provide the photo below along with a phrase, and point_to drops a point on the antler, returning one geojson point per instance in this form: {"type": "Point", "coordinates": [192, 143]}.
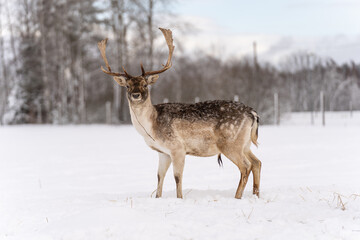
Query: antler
{"type": "Point", "coordinates": [169, 40]}
{"type": "Point", "coordinates": [102, 48]}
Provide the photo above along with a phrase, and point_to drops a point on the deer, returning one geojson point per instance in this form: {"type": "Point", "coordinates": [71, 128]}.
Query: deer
{"type": "Point", "coordinates": [201, 129]}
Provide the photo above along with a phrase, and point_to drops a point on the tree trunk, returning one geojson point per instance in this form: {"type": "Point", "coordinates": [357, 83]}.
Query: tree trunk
{"type": "Point", "coordinates": [151, 38]}
{"type": "Point", "coordinates": [44, 73]}
{"type": "Point", "coordinates": [116, 26]}
{"type": "Point", "coordinates": [82, 102]}
{"type": "Point", "coordinates": [150, 32]}
{"type": "Point", "coordinates": [4, 84]}
{"type": "Point", "coordinates": [120, 29]}
{"type": "Point", "coordinates": [12, 40]}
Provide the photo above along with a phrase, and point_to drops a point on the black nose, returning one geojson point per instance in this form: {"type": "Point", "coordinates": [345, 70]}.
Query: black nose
{"type": "Point", "coordinates": [135, 95]}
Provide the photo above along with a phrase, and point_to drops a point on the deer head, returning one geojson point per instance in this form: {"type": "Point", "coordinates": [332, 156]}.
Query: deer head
{"type": "Point", "coordinates": [137, 87]}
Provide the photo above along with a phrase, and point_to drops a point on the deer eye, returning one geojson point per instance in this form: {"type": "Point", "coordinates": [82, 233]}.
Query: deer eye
{"type": "Point", "coordinates": [127, 87]}
{"type": "Point", "coordinates": [145, 85]}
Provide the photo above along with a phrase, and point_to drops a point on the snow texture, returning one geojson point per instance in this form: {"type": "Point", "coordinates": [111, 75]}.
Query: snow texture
{"type": "Point", "coordinates": [95, 182]}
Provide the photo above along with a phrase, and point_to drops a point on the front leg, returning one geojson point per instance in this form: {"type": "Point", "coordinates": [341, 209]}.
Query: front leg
{"type": "Point", "coordinates": [164, 163]}
{"type": "Point", "coordinates": [178, 160]}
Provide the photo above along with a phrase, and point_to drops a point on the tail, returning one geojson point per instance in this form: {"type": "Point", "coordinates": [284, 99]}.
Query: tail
{"type": "Point", "coordinates": [220, 160]}
{"type": "Point", "coordinates": [254, 128]}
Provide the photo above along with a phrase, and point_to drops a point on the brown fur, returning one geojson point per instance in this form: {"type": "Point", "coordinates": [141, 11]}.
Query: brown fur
{"type": "Point", "coordinates": [202, 129]}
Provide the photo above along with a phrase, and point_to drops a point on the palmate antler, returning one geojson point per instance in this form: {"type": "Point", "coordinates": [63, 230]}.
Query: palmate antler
{"type": "Point", "coordinates": [169, 41]}
{"type": "Point", "coordinates": [102, 48]}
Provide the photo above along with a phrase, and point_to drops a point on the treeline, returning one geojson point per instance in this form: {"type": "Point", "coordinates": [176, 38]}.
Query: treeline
{"type": "Point", "coordinates": [49, 65]}
{"type": "Point", "coordinates": [298, 81]}
{"type": "Point", "coordinates": [50, 62]}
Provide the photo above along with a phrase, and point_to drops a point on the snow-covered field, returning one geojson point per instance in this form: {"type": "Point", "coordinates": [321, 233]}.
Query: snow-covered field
{"type": "Point", "coordinates": [96, 182]}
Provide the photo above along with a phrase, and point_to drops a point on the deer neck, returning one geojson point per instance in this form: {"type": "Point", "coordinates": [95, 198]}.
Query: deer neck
{"type": "Point", "coordinates": [142, 117]}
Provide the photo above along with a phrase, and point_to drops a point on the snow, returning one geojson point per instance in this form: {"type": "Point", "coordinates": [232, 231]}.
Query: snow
{"type": "Point", "coordinates": [96, 182]}
{"type": "Point", "coordinates": [344, 118]}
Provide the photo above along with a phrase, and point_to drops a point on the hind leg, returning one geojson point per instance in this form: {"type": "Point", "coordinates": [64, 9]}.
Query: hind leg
{"type": "Point", "coordinates": [245, 168]}
{"type": "Point", "coordinates": [256, 169]}
{"type": "Point", "coordinates": [244, 165]}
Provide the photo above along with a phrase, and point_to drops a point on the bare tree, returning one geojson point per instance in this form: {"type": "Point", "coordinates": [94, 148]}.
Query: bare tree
{"type": "Point", "coordinates": [44, 72]}
{"type": "Point", "coordinates": [4, 77]}
{"type": "Point", "coordinates": [121, 12]}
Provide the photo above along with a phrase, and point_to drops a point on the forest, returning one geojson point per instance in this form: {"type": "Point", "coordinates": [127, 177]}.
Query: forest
{"type": "Point", "coordinates": [50, 65]}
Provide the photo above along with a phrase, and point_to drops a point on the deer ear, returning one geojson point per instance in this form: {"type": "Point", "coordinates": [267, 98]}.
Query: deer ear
{"type": "Point", "coordinates": [152, 79]}
{"type": "Point", "coordinates": [121, 80]}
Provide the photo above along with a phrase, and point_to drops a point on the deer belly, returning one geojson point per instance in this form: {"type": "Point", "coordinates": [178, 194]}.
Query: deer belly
{"type": "Point", "coordinates": [201, 146]}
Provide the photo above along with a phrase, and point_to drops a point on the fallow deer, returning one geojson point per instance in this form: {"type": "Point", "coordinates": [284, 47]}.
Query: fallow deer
{"type": "Point", "coordinates": [202, 129]}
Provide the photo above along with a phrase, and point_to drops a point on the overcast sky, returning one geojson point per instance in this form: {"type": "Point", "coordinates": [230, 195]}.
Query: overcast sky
{"type": "Point", "coordinates": [329, 28]}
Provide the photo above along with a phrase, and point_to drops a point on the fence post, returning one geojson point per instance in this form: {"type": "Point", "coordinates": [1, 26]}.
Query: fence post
{"type": "Point", "coordinates": [351, 108]}
{"type": "Point", "coordinates": [276, 109]}
{"type": "Point", "coordinates": [197, 99]}
{"type": "Point", "coordinates": [322, 107]}
{"type": "Point", "coordinates": [39, 113]}
{"type": "Point", "coordinates": [108, 112]}
{"type": "Point", "coordinates": [236, 98]}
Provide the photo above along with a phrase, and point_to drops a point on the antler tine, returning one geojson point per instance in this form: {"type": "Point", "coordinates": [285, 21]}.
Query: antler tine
{"type": "Point", "coordinates": [126, 74]}
{"type": "Point", "coordinates": [169, 41]}
{"type": "Point", "coordinates": [102, 48]}
{"type": "Point", "coordinates": [142, 70]}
